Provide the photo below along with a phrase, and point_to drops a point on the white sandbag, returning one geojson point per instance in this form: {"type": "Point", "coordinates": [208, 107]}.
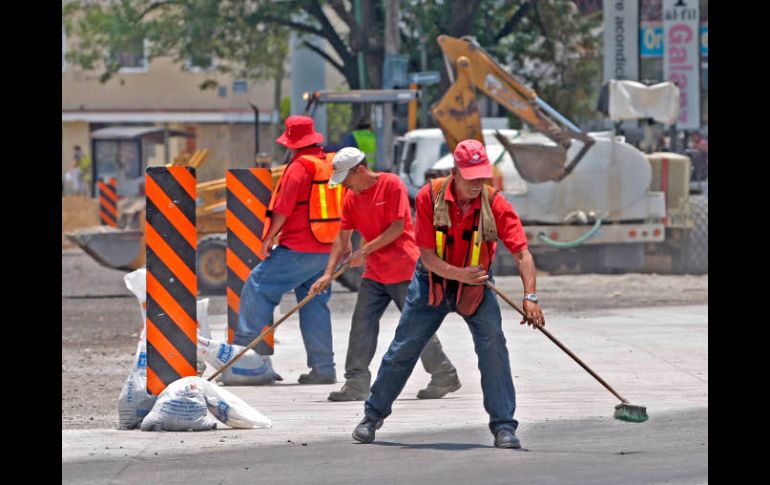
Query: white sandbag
{"type": "Point", "coordinates": [181, 407]}
{"type": "Point", "coordinates": [251, 369]}
{"type": "Point", "coordinates": [136, 282]}
{"type": "Point", "coordinates": [134, 402]}
{"type": "Point", "coordinates": [232, 410]}
{"type": "Point", "coordinates": [203, 329]}
{"type": "Point", "coordinates": [203, 318]}
{"type": "Point", "coordinates": [184, 406]}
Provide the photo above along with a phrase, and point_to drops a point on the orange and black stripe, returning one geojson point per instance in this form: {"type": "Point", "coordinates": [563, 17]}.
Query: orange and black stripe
{"type": "Point", "coordinates": [248, 195]}
{"type": "Point", "coordinates": [108, 202]}
{"type": "Point", "coordinates": [172, 284]}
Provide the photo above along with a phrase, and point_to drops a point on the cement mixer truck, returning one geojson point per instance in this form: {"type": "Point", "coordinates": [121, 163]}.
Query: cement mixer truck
{"type": "Point", "coordinates": [590, 202]}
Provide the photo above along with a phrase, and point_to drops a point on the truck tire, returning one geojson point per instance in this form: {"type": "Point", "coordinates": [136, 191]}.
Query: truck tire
{"type": "Point", "coordinates": [696, 248]}
{"type": "Point", "coordinates": [211, 265]}
{"type": "Point", "coordinates": [351, 278]}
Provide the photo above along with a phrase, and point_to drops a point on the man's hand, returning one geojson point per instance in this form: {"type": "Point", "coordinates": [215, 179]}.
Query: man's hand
{"type": "Point", "coordinates": [358, 258]}
{"type": "Point", "coordinates": [321, 284]}
{"type": "Point", "coordinates": [470, 275]}
{"type": "Point", "coordinates": [534, 315]}
{"type": "Point", "coordinates": [267, 247]}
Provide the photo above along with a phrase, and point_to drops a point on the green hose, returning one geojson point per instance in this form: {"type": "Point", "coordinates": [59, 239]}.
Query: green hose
{"type": "Point", "coordinates": [571, 244]}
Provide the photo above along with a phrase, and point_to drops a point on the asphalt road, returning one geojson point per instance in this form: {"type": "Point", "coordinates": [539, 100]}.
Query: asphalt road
{"type": "Point", "coordinates": [669, 448]}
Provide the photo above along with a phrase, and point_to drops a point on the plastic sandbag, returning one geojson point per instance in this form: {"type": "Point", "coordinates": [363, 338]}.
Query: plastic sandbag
{"type": "Point", "coordinates": [203, 329]}
{"type": "Point", "coordinates": [184, 406]}
{"type": "Point", "coordinates": [251, 369]}
{"type": "Point", "coordinates": [203, 318]}
{"type": "Point", "coordinates": [181, 407]}
{"type": "Point", "coordinates": [134, 402]}
{"type": "Point", "coordinates": [232, 410]}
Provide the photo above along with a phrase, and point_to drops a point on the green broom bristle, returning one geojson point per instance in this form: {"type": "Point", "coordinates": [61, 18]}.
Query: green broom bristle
{"type": "Point", "coordinates": [631, 413]}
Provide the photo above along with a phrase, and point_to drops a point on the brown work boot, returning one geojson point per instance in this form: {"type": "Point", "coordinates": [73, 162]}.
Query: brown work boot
{"type": "Point", "coordinates": [351, 391]}
{"type": "Point", "coordinates": [437, 390]}
{"type": "Point", "coordinates": [314, 377]}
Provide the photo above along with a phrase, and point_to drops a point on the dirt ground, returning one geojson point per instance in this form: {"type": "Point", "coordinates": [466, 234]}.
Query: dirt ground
{"type": "Point", "coordinates": [101, 322]}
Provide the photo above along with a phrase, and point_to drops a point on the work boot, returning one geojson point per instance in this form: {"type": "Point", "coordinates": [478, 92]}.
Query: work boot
{"type": "Point", "coordinates": [437, 390]}
{"type": "Point", "coordinates": [506, 438]}
{"type": "Point", "coordinates": [314, 377]}
{"type": "Point", "coordinates": [351, 391]}
{"type": "Point", "coordinates": [364, 432]}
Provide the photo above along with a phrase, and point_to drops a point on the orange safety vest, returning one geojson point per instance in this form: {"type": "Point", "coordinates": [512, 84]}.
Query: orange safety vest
{"type": "Point", "coordinates": [324, 203]}
{"type": "Point", "coordinates": [469, 297]}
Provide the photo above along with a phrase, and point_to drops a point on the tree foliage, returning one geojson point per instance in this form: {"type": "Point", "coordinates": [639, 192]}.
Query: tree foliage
{"type": "Point", "coordinates": [545, 43]}
{"type": "Point", "coordinates": [212, 34]}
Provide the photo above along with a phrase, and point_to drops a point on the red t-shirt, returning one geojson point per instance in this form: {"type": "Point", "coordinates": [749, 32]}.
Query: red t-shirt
{"type": "Point", "coordinates": [371, 212]}
{"type": "Point", "coordinates": [293, 203]}
{"type": "Point", "coordinates": [509, 228]}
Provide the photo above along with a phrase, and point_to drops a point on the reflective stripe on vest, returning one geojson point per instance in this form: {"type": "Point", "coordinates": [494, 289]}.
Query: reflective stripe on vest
{"type": "Point", "coordinates": [322, 196]}
{"type": "Point", "coordinates": [440, 244]}
{"type": "Point", "coordinates": [476, 245]}
{"type": "Point", "coordinates": [324, 210]}
{"type": "Point", "coordinates": [468, 297]}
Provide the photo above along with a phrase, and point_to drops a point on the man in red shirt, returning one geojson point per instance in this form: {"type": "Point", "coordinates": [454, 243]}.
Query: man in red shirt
{"type": "Point", "coordinates": [295, 263]}
{"type": "Point", "coordinates": [377, 206]}
{"type": "Point", "coordinates": [458, 221]}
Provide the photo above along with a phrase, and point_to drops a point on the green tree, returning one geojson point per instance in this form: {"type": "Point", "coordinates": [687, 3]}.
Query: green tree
{"type": "Point", "coordinates": [544, 42]}
{"type": "Point", "coordinates": [195, 33]}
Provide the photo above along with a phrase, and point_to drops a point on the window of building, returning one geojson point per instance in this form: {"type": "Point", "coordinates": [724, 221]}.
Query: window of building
{"type": "Point", "coordinates": [132, 57]}
{"type": "Point", "coordinates": [200, 64]}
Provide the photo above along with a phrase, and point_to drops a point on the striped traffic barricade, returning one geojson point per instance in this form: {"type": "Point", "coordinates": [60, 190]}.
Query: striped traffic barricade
{"type": "Point", "coordinates": [247, 199]}
{"type": "Point", "coordinates": [171, 240]}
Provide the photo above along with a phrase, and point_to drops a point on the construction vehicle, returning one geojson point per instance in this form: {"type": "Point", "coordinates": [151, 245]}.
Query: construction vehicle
{"type": "Point", "coordinates": [123, 248]}
{"type": "Point", "coordinates": [589, 202]}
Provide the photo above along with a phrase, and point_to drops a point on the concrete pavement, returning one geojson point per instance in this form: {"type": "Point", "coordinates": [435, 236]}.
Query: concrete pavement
{"type": "Point", "coordinates": [657, 357]}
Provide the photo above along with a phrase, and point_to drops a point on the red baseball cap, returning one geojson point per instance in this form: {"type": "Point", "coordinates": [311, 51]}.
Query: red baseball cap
{"type": "Point", "coordinates": [472, 161]}
{"type": "Point", "coordinates": [300, 132]}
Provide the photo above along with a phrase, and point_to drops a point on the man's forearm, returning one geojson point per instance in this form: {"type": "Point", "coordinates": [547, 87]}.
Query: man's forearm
{"type": "Point", "coordinates": [435, 264]}
{"type": "Point", "coordinates": [276, 223]}
{"type": "Point", "coordinates": [527, 271]}
{"type": "Point", "coordinates": [388, 236]}
{"type": "Point", "coordinates": [338, 248]}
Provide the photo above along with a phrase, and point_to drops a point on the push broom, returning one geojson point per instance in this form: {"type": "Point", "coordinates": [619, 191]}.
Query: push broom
{"type": "Point", "coordinates": [624, 411]}
{"type": "Point", "coordinates": [272, 327]}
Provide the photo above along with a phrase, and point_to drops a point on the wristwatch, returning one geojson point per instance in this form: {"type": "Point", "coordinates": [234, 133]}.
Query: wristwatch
{"type": "Point", "coordinates": [531, 297]}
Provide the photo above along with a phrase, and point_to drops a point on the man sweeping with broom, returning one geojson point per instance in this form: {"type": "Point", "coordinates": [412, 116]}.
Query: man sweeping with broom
{"type": "Point", "coordinates": [459, 219]}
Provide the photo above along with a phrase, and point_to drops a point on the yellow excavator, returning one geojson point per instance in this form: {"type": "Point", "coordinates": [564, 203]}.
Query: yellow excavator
{"type": "Point", "coordinates": [457, 112]}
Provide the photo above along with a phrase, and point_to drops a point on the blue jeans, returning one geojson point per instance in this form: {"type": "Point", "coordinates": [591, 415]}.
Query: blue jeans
{"type": "Point", "coordinates": [282, 271]}
{"type": "Point", "coordinates": [419, 321]}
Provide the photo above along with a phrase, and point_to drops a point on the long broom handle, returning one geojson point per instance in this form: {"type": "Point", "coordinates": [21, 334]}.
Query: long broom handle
{"type": "Point", "coordinates": [272, 327]}
{"type": "Point", "coordinates": [559, 344]}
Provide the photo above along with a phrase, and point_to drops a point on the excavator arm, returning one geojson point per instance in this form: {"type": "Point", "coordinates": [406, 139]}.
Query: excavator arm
{"type": "Point", "coordinates": [458, 116]}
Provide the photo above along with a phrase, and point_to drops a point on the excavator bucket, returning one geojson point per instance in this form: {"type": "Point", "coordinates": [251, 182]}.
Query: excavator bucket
{"type": "Point", "coordinates": [122, 249]}
{"type": "Point", "coordinates": [538, 163]}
